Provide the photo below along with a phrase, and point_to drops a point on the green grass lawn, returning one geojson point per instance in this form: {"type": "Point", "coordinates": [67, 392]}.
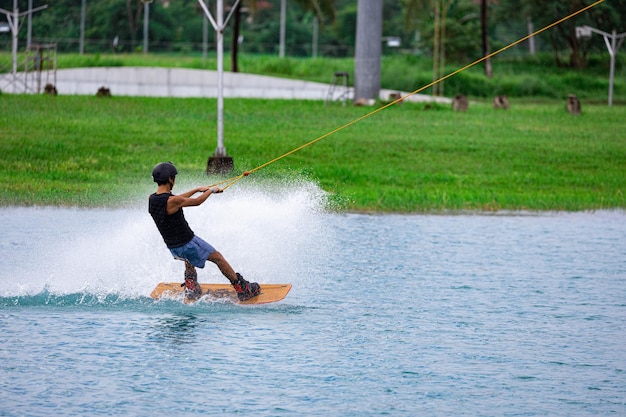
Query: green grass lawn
{"type": "Point", "coordinates": [86, 151]}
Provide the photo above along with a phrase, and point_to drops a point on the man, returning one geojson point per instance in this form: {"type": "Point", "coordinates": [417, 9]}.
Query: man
{"type": "Point", "coordinates": [167, 211]}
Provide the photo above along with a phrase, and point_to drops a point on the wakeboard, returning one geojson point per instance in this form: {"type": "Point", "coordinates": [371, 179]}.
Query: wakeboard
{"type": "Point", "coordinates": [270, 293]}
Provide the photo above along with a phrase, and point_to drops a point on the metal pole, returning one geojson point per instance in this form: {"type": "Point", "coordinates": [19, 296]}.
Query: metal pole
{"type": "Point", "coordinates": [612, 52]}
{"type": "Point", "coordinates": [613, 46]}
{"type": "Point", "coordinates": [205, 36]}
{"type": "Point", "coordinates": [220, 151]}
{"type": "Point", "coordinates": [83, 9]}
{"type": "Point", "coordinates": [220, 162]}
{"type": "Point", "coordinates": [15, 26]}
{"type": "Point", "coordinates": [283, 23]}
{"type": "Point", "coordinates": [146, 21]}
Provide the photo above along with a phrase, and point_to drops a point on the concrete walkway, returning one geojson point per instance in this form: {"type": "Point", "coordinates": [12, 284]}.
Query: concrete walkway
{"type": "Point", "coordinates": [182, 82]}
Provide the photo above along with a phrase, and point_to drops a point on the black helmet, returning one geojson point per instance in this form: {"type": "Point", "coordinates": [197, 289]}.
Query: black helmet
{"type": "Point", "coordinates": [162, 172]}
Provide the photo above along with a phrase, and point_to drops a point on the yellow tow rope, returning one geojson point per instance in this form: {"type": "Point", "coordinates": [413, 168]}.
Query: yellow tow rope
{"type": "Point", "coordinates": [233, 180]}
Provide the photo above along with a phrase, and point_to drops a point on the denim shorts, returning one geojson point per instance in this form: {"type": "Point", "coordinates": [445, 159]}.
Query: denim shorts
{"type": "Point", "coordinates": [196, 252]}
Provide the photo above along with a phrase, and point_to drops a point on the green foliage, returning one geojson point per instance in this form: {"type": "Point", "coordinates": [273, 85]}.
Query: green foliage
{"type": "Point", "coordinates": [86, 151]}
{"type": "Point", "coordinates": [177, 26]}
{"type": "Point", "coordinates": [534, 77]}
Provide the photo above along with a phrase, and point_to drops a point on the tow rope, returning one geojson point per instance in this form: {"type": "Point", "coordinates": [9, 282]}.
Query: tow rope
{"type": "Point", "coordinates": [233, 180]}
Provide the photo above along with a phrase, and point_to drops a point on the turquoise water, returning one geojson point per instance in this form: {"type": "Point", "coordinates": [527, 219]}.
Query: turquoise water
{"type": "Point", "coordinates": [478, 315]}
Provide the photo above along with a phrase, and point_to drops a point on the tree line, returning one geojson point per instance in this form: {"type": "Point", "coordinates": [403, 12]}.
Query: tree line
{"type": "Point", "coordinates": [325, 27]}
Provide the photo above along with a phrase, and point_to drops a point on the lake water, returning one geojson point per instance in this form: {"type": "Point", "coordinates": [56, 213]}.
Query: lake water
{"type": "Point", "coordinates": [404, 315]}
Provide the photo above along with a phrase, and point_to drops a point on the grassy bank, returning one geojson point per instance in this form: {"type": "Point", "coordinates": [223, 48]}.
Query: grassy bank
{"type": "Point", "coordinates": [87, 151]}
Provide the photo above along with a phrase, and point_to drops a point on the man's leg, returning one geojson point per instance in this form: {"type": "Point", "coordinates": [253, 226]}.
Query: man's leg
{"type": "Point", "coordinates": [190, 270]}
{"type": "Point", "coordinates": [245, 290]}
{"type": "Point", "coordinates": [224, 266]}
{"type": "Point", "coordinates": [192, 288]}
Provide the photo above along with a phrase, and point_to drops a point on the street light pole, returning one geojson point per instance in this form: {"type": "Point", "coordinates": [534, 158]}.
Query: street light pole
{"type": "Point", "coordinates": [613, 42]}
{"type": "Point", "coordinates": [613, 49]}
{"type": "Point", "coordinates": [220, 162]}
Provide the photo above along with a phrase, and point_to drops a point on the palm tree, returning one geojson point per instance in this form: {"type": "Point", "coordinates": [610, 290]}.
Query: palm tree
{"type": "Point", "coordinates": [413, 9]}
{"type": "Point", "coordinates": [441, 8]}
{"type": "Point", "coordinates": [323, 9]}
{"type": "Point", "coordinates": [368, 50]}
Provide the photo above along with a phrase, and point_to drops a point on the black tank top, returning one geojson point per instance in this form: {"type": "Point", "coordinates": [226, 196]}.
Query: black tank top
{"type": "Point", "coordinates": [173, 227]}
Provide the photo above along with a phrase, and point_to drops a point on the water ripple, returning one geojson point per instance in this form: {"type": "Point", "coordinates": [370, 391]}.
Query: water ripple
{"type": "Point", "coordinates": [518, 315]}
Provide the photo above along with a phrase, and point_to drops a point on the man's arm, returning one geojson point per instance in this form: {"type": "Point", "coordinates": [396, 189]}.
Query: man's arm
{"type": "Point", "coordinates": [176, 202]}
{"type": "Point", "coordinates": [196, 190]}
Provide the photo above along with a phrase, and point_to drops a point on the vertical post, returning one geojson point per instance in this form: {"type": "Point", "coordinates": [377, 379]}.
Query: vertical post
{"type": "Point", "coordinates": [83, 10]}
{"type": "Point", "coordinates": [29, 30]}
{"type": "Point", "coordinates": [205, 36]}
{"type": "Point", "coordinates": [15, 27]}
{"type": "Point", "coordinates": [316, 26]}
{"type": "Point", "coordinates": [220, 151]}
{"type": "Point", "coordinates": [612, 53]}
{"type": "Point", "coordinates": [220, 162]}
{"type": "Point", "coordinates": [613, 42]}
{"type": "Point", "coordinates": [283, 30]}
{"type": "Point", "coordinates": [146, 20]}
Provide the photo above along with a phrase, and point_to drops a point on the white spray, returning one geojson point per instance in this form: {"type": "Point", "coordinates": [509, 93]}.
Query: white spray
{"type": "Point", "coordinates": [267, 233]}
